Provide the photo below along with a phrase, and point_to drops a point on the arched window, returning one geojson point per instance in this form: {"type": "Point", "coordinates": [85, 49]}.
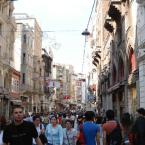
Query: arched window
{"type": "Point", "coordinates": [114, 77]}
{"type": "Point", "coordinates": [132, 60]}
{"type": "Point", "coordinates": [121, 69]}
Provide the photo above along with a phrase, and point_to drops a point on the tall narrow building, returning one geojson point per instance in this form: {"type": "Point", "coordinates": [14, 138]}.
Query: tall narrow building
{"type": "Point", "coordinates": [29, 41]}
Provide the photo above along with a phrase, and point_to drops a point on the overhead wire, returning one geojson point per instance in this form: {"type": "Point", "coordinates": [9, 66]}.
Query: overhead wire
{"type": "Point", "coordinates": [84, 51]}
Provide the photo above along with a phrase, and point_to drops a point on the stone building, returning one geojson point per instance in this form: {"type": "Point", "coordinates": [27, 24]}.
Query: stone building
{"type": "Point", "coordinates": [140, 49]}
{"type": "Point", "coordinates": [118, 72]}
{"type": "Point", "coordinates": [29, 39]}
{"type": "Point", "coordinates": [7, 29]}
{"type": "Point", "coordinates": [63, 90]}
{"type": "Point", "coordinates": [23, 61]}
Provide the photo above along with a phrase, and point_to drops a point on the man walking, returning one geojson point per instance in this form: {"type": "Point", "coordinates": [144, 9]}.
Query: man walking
{"type": "Point", "coordinates": [90, 129]}
{"type": "Point", "coordinates": [20, 132]}
{"type": "Point", "coordinates": [111, 130]}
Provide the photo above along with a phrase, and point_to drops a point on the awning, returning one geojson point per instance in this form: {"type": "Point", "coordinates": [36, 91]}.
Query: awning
{"type": "Point", "coordinates": [16, 102]}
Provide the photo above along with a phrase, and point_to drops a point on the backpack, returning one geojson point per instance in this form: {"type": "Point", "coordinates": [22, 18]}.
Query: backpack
{"type": "Point", "coordinates": [81, 140]}
{"type": "Point", "coordinates": [115, 137]}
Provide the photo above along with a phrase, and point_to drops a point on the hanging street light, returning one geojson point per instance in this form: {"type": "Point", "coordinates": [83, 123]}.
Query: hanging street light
{"type": "Point", "coordinates": [86, 32]}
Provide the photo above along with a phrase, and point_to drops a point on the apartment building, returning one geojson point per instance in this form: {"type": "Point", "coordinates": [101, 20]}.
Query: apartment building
{"type": "Point", "coordinates": [23, 62]}
{"type": "Point", "coordinates": [46, 76]}
{"type": "Point", "coordinates": [63, 86]}
{"type": "Point", "coordinates": [7, 30]}
{"type": "Point", "coordinates": [29, 39]}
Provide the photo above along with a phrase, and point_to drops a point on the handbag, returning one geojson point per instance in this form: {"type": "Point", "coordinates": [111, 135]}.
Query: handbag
{"type": "Point", "coordinates": [42, 136]}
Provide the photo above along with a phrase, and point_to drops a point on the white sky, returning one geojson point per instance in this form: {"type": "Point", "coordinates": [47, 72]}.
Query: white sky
{"type": "Point", "coordinates": [55, 15]}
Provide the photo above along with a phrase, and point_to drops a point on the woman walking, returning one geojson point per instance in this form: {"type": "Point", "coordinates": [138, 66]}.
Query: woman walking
{"type": "Point", "coordinates": [54, 132]}
{"type": "Point", "coordinates": [69, 134]}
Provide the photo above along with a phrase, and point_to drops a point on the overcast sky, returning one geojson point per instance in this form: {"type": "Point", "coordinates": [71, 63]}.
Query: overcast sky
{"type": "Point", "coordinates": [68, 18]}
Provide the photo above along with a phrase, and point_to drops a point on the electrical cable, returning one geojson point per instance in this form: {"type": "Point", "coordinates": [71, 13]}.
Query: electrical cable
{"type": "Point", "coordinates": [47, 31]}
{"type": "Point", "coordinates": [91, 13]}
{"type": "Point", "coordinates": [84, 51]}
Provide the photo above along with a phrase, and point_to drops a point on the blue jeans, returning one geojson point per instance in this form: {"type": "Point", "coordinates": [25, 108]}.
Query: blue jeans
{"type": "Point", "coordinates": [49, 144]}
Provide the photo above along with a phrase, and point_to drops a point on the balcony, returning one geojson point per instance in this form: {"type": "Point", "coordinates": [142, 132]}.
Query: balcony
{"type": "Point", "coordinates": [108, 26]}
{"type": "Point", "coordinates": [26, 89]}
{"type": "Point", "coordinates": [115, 1]}
{"type": "Point", "coordinates": [114, 13]}
{"type": "Point", "coordinates": [114, 10]}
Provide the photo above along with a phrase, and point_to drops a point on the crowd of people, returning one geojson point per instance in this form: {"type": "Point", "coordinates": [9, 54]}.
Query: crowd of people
{"type": "Point", "coordinates": [85, 128]}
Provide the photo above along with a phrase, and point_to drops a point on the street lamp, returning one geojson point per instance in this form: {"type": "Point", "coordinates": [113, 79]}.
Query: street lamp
{"type": "Point", "coordinates": [86, 32]}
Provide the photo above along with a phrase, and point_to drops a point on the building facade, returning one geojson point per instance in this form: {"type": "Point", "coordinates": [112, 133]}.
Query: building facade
{"type": "Point", "coordinates": [29, 45]}
{"type": "Point", "coordinates": [140, 48]}
{"type": "Point", "coordinates": [63, 86]}
{"type": "Point", "coordinates": [46, 75]}
{"type": "Point", "coordinates": [23, 62]}
{"type": "Point", "coordinates": [7, 29]}
{"type": "Point", "coordinates": [118, 82]}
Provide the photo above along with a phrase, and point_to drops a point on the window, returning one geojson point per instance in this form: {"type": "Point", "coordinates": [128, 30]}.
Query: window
{"type": "Point", "coordinates": [40, 71]}
{"type": "Point", "coordinates": [0, 28]}
{"type": "Point", "coordinates": [24, 38]}
{"type": "Point", "coordinates": [34, 85]}
{"type": "Point", "coordinates": [23, 78]}
{"type": "Point", "coordinates": [31, 43]}
{"type": "Point", "coordinates": [24, 58]}
{"type": "Point", "coordinates": [13, 85]}
{"type": "Point", "coordinates": [0, 51]}
{"type": "Point", "coordinates": [114, 77]}
{"type": "Point", "coordinates": [121, 69]}
{"type": "Point", "coordinates": [0, 7]}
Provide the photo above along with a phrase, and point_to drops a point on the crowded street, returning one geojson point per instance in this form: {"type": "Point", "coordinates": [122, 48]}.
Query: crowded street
{"type": "Point", "coordinates": [72, 72]}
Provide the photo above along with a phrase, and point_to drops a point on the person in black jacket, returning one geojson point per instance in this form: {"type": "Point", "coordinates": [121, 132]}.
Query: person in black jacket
{"type": "Point", "coordinates": [20, 132]}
